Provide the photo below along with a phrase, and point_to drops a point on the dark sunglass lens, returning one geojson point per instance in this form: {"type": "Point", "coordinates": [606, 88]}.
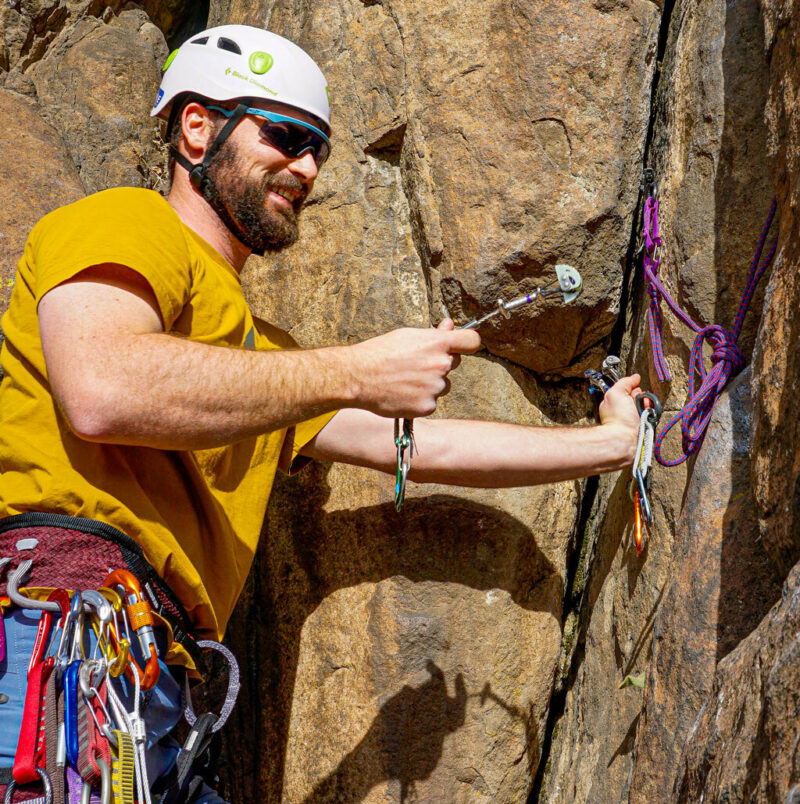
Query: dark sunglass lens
{"type": "Point", "coordinates": [295, 140]}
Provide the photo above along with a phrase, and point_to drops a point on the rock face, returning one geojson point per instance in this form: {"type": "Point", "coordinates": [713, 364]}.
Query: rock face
{"type": "Point", "coordinates": [472, 648]}
{"type": "Point", "coordinates": [417, 651]}
{"type": "Point", "coordinates": [743, 745]}
{"type": "Point", "coordinates": [775, 469]}
{"type": "Point", "coordinates": [709, 154]}
{"type": "Point", "coordinates": [38, 179]}
{"type": "Point", "coordinates": [721, 583]}
{"type": "Point", "coordinates": [498, 186]}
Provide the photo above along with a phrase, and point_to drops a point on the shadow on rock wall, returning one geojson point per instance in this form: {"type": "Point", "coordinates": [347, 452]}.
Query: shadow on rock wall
{"type": "Point", "coordinates": [307, 554]}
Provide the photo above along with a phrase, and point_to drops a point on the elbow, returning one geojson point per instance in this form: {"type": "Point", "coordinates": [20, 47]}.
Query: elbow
{"type": "Point", "coordinates": [90, 416]}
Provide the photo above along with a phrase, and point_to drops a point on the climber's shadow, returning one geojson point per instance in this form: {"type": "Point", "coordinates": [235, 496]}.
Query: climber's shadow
{"type": "Point", "coordinates": [403, 743]}
{"type": "Point", "coordinates": [307, 554]}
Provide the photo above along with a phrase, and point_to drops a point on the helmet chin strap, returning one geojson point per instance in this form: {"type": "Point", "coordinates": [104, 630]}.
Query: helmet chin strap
{"type": "Point", "coordinates": [198, 176]}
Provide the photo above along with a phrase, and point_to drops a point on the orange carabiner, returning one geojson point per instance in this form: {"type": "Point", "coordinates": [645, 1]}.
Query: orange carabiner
{"type": "Point", "coordinates": [637, 530]}
{"type": "Point", "coordinates": [140, 617]}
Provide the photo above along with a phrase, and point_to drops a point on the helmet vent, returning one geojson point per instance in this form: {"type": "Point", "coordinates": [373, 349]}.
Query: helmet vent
{"type": "Point", "coordinates": [201, 41]}
{"type": "Point", "coordinates": [228, 44]}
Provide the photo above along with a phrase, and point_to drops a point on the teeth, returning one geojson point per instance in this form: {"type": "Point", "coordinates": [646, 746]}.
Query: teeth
{"type": "Point", "coordinates": [289, 198]}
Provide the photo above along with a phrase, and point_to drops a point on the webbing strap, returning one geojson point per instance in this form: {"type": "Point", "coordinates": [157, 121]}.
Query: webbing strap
{"type": "Point", "coordinates": [53, 715]}
{"type": "Point", "coordinates": [31, 741]}
{"type": "Point", "coordinates": [123, 769]}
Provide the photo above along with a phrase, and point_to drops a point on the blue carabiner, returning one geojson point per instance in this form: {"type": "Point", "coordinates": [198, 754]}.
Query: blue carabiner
{"type": "Point", "coordinates": [71, 682]}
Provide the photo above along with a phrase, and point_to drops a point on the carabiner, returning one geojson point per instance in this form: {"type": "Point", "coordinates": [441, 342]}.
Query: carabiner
{"type": "Point", "coordinates": [118, 651]}
{"type": "Point", "coordinates": [105, 784]}
{"type": "Point", "coordinates": [655, 404]}
{"type": "Point", "coordinates": [637, 518]}
{"type": "Point", "coordinates": [46, 784]}
{"type": "Point", "coordinates": [405, 444]}
{"type": "Point", "coordinates": [141, 620]}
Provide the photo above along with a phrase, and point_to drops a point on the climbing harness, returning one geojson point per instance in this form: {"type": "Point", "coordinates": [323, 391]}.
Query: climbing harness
{"type": "Point", "coordinates": [727, 358]}
{"type": "Point", "coordinates": [83, 732]}
{"type": "Point", "coordinates": [568, 283]}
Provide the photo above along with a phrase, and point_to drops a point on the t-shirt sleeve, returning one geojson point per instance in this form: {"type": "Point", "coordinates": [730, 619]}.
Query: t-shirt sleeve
{"type": "Point", "coordinates": [127, 226]}
{"type": "Point", "coordinates": [300, 435]}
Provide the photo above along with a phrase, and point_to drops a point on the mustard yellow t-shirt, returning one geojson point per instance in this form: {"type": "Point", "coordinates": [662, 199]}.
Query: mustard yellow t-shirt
{"type": "Point", "coordinates": [196, 514]}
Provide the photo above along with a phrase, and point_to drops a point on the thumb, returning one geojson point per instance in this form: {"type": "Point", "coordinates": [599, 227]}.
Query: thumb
{"type": "Point", "coordinates": [627, 384]}
{"type": "Point", "coordinates": [446, 323]}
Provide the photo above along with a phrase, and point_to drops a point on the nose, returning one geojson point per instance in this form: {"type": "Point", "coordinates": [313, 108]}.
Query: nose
{"type": "Point", "coordinates": [304, 167]}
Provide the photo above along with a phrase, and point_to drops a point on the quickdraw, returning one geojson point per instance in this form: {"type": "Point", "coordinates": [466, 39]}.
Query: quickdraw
{"type": "Point", "coordinates": [569, 285]}
{"type": "Point", "coordinates": [649, 408]}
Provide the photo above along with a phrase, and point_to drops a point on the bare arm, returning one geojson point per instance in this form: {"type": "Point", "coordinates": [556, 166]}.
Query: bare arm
{"type": "Point", "coordinates": [489, 454]}
{"type": "Point", "coordinates": [119, 378]}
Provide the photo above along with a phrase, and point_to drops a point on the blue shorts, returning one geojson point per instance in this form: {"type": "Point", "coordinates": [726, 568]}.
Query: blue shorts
{"type": "Point", "coordinates": [161, 714]}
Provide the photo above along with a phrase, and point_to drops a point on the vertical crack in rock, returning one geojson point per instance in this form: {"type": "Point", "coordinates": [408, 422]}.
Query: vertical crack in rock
{"type": "Point", "coordinates": [578, 563]}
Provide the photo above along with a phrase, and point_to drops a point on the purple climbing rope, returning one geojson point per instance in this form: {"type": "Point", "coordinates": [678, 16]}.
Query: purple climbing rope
{"type": "Point", "coordinates": [727, 359]}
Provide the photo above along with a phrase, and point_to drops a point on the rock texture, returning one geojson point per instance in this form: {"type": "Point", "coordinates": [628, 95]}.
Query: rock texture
{"type": "Point", "coordinates": [498, 185]}
{"type": "Point", "coordinates": [709, 153]}
{"type": "Point", "coordinates": [447, 654]}
{"type": "Point", "coordinates": [721, 584]}
{"type": "Point", "coordinates": [743, 745]}
{"type": "Point", "coordinates": [38, 179]}
{"type": "Point", "coordinates": [776, 468]}
{"type": "Point", "coordinates": [416, 653]}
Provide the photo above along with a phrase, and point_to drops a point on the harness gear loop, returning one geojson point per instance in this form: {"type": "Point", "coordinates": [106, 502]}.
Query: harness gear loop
{"type": "Point", "coordinates": [231, 694]}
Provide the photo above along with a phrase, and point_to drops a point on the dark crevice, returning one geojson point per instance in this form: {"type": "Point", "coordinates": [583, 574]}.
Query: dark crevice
{"type": "Point", "coordinates": [575, 584]}
{"type": "Point", "coordinates": [389, 146]}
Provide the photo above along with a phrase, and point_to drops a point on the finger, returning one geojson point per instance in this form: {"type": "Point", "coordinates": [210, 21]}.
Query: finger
{"type": "Point", "coordinates": [446, 323]}
{"type": "Point", "coordinates": [627, 384]}
{"type": "Point", "coordinates": [464, 341]}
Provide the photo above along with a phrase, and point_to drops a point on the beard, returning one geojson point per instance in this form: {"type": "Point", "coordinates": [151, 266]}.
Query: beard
{"type": "Point", "coordinates": [242, 203]}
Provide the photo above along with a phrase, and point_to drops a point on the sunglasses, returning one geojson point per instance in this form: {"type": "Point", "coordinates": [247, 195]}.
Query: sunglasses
{"type": "Point", "coordinates": [288, 134]}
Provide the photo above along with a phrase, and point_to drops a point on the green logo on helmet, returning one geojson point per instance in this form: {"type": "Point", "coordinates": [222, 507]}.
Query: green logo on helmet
{"type": "Point", "coordinates": [260, 62]}
{"type": "Point", "coordinates": [169, 60]}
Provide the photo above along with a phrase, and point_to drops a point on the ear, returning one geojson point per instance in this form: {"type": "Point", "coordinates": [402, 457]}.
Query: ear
{"type": "Point", "coordinates": [197, 128]}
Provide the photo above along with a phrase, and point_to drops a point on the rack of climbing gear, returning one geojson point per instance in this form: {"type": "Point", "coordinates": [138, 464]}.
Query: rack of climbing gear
{"type": "Point", "coordinates": [727, 358]}
{"type": "Point", "coordinates": [94, 660]}
{"type": "Point", "coordinates": [567, 282]}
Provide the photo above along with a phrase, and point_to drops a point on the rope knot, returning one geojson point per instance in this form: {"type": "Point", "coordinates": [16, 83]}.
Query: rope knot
{"type": "Point", "coordinates": [726, 352]}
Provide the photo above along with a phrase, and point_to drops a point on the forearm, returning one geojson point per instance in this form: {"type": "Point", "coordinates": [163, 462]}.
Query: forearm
{"type": "Point", "coordinates": [478, 453]}
{"type": "Point", "coordinates": [161, 391]}
{"type": "Point", "coordinates": [500, 455]}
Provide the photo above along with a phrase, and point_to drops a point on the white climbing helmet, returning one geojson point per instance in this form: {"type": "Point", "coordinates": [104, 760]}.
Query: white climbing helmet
{"type": "Point", "coordinates": [239, 61]}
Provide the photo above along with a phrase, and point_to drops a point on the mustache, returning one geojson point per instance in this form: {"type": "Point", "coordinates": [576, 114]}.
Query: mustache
{"type": "Point", "coordinates": [287, 183]}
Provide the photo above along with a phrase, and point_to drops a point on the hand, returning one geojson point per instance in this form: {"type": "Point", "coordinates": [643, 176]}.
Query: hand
{"type": "Point", "coordinates": [403, 373]}
{"type": "Point", "coordinates": [618, 410]}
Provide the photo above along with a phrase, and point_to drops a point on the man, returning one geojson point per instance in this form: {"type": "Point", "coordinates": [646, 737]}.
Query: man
{"type": "Point", "coordinates": [145, 412]}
